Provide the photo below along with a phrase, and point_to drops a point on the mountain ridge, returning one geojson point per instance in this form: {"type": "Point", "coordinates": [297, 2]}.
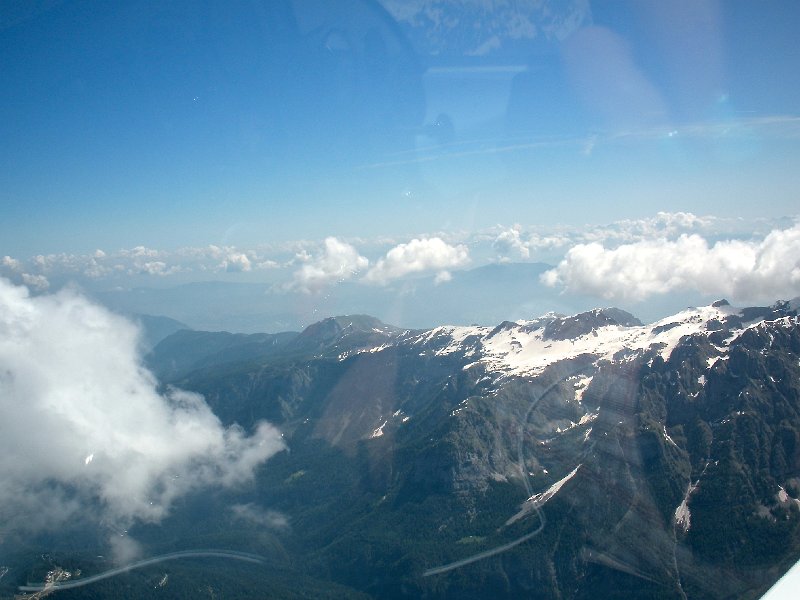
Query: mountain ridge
{"type": "Point", "coordinates": [601, 409]}
{"type": "Point", "coordinates": [576, 456]}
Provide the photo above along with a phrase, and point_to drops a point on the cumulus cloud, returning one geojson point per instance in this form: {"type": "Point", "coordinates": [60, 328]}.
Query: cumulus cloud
{"type": "Point", "coordinates": [38, 283]}
{"type": "Point", "coordinates": [508, 244]}
{"type": "Point", "coordinates": [267, 264]}
{"type": "Point", "coordinates": [227, 258]}
{"type": "Point", "coordinates": [760, 270]}
{"type": "Point", "coordinates": [236, 262]}
{"type": "Point", "coordinates": [10, 263]}
{"type": "Point", "coordinates": [142, 260]}
{"type": "Point", "coordinates": [141, 252]}
{"type": "Point", "coordinates": [95, 269]}
{"type": "Point", "coordinates": [338, 261]}
{"type": "Point", "coordinates": [547, 241]}
{"type": "Point", "coordinates": [663, 224]}
{"type": "Point", "coordinates": [418, 255]}
{"type": "Point", "coordinates": [153, 267]}
{"type": "Point", "coordinates": [85, 430]}
{"type": "Point", "coordinates": [310, 265]}
{"type": "Point", "coordinates": [520, 243]}
{"type": "Point", "coordinates": [139, 260]}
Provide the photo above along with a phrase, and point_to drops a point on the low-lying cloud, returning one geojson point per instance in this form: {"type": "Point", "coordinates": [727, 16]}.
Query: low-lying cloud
{"type": "Point", "coordinates": [760, 270]}
{"type": "Point", "coordinates": [417, 256]}
{"type": "Point", "coordinates": [84, 428]}
{"type": "Point", "coordinates": [255, 515]}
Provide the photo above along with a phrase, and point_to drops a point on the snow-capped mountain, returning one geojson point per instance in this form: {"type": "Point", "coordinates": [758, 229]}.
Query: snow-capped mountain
{"type": "Point", "coordinates": [528, 348]}
{"type": "Point", "coordinates": [564, 456]}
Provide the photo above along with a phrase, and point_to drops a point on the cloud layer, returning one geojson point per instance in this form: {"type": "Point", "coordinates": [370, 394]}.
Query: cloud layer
{"type": "Point", "coordinates": [86, 431]}
{"type": "Point", "coordinates": [307, 264]}
{"type": "Point", "coordinates": [418, 255]}
{"type": "Point", "coordinates": [760, 270]}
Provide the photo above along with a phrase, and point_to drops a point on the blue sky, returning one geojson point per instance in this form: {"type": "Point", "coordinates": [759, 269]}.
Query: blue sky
{"type": "Point", "coordinates": [241, 125]}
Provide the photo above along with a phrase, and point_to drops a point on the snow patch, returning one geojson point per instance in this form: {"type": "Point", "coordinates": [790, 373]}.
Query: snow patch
{"type": "Point", "coordinates": [453, 336]}
{"type": "Point", "coordinates": [683, 516]}
{"type": "Point", "coordinates": [669, 439]}
{"type": "Point", "coordinates": [538, 500]}
{"type": "Point", "coordinates": [784, 498]}
{"type": "Point", "coordinates": [379, 431]}
{"type": "Point", "coordinates": [523, 350]}
{"type": "Point", "coordinates": [580, 387]}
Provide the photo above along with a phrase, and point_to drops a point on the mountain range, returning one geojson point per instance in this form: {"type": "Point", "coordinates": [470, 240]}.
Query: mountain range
{"type": "Point", "coordinates": [583, 456]}
{"type": "Point", "coordinates": [495, 291]}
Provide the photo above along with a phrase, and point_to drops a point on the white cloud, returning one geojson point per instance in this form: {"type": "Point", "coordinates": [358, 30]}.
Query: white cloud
{"type": "Point", "coordinates": [56, 262]}
{"type": "Point", "coordinates": [220, 258]}
{"type": "Point", "coordinates": [124, 549]}
{"type": "Point", "coordinates": [418, 255]}
{"type": "Point", "coordinates": [94, 269]}
{"type": "Point", "coordinates": [442, 277]}
{"type": "Point", "coordinates": [509, 244]}
{"type": "Point", "coordinates": [267, 264]}
{"type": "Point", "coordinates": [679, 219]}
{"type": "Point", "coordinates": [236, 262]}
{"type": "Point", "coordinates": [142, 260]}
{"type": "Point", "coordinates": [38, 283]}
{"type": "Point", "coordinates": [524, 243]}
{"type": "Point", "coordinates": [85, 430]}
{"type": "Point", "coordinates": [231, 259]}
{"type": "Point", "coordinates": [337, 262]}
{"type": "Point", "coordinates": [141, 252]}
{"type": "Point", "coordinates": [762, 270]}
{"type": "Point", "coordinates": [555, 240]}
{"type": "Point", "coordinates": [309, 265]}
{"type": "Point", "coordinates": [664, 224]}
{"type": "Point", "coordinates": [153, 267]}
{"type": "Point", "coordinates": [301, 256]}
{"type": "Point", "coordinates": [255, 515]}
{"type": "Point", "coordinates": [11, 263]}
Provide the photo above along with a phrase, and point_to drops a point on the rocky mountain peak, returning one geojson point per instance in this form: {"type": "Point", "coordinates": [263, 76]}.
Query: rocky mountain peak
{"type": "Point", "coordinates": [347, 332]}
